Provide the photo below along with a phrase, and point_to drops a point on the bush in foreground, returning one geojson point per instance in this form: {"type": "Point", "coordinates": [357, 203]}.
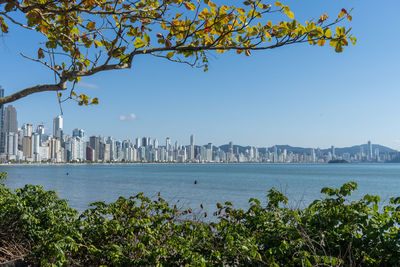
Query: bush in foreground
{"type": "Point", "coordinates": [139, 231]}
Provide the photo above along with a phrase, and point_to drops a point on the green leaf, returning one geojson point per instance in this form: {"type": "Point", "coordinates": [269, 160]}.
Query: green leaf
{"type": "Point", "coordinates": [146, 38]}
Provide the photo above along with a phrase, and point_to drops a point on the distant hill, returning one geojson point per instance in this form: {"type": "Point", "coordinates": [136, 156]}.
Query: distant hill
{"type": "Point", "coordinates": [301, 150]}
{"type": "Point", "coordinates": [356, 149]}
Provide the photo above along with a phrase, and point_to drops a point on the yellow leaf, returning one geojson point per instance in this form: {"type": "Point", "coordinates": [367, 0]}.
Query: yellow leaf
{"type": "Point", "coordinates": [98, 43]}
{"type": "Point", "coordinates": [241, 11]}
{"type": "Point", "coordinates": [278, 4]}
{"type": "Point", "coordinates": [139, 43]}
{"type": "Point", "coordinates": [189, 6]}
{"type": "Point", "coordinates": [290, 14]}
{"type": "Point", "coordinates": [328, 33]}
{"type": "Point", "coordinates": [170, 54]}
{"type": "Point", "coordinates": [211, 4]}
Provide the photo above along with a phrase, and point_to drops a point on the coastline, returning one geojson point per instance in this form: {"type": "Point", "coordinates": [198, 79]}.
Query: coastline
{"type": "Point", "coordinates": [179, 163]}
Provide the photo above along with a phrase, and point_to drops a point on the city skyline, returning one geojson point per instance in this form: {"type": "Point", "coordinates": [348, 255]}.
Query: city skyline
{"type": "Point", "coordinates": [33, 144]}
{"type": "Point", "coordinates": [57, 121]}
{"type": "Point", "coordinates": [302, 95]}
{"type": "Point", "coordinates": [188, 140]}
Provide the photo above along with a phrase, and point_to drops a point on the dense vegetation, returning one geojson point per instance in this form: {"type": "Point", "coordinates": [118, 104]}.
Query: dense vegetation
{"type": "Point", "coordinates": [333, 231]}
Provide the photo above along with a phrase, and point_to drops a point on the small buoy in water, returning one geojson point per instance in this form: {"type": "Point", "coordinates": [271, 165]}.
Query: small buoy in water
{"type": "Point", "coordinates": [67, 173]}
{"type": "Point", "coordinates": [195, 181]}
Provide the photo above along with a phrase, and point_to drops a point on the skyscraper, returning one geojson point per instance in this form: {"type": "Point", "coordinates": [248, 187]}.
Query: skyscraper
{"type": "Point", "coordinates": [10, 120]}
{"type": "Point", "coordinates": [11, 145]}
{"type": "Point", "coordinates": [144, 142]}
{"type": "Point", "coordinates": [111, 142]}
{"type": "Point", "coordinates": [156, 143]}
{"type": "Point", "coordinates": [79, 133]}
{"type": "Point", "coordinates": [192, 140]}
{"type": "Point", "coordinates": [191, 148]}
{"type": "Point", "coordinates": [1, 110]}
{"type": "Point", "coordinates": [57, 126]}
{"type": "Point", "coordinates": [138, 143]}
{"type": "Point", "coordinates": [94, 143]}
{"type": "Point", "coordinates": [36, 146]}
{"type": "Point", "coordinates": [27, 129]}
{"type": "Point", "coordinates": [10, 125]}
{"type": "Point", "coordinates": [369, 150]}
{"type": "Point", "coordinates": [2, 133]}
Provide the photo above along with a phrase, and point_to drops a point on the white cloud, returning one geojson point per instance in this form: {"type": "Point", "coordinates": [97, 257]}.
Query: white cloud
{"type": "Point", "coordinates": [89, 85]}
{"type": "Point", "coordinates": [129, 117]}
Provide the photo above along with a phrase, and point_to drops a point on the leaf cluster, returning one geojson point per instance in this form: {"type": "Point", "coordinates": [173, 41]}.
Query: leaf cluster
{"type": "Point", "coordinates": [82, 38]}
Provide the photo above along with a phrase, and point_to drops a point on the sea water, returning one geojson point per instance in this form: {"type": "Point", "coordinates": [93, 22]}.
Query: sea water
{"type": "Point", "coordinates": [302, 183]}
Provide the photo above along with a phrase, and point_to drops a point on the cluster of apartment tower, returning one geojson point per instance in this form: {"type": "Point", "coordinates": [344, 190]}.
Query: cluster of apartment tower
{"type": "Point", "coordinates": [29, 144]}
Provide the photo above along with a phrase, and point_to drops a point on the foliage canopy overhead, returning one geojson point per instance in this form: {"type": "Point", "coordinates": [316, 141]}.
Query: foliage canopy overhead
{"type": "Point", "coordinates": [84, 37]}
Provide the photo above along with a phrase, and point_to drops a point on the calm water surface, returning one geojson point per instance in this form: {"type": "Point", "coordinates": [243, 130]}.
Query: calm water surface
{"type": "Point", "coordinates": [216, 182]}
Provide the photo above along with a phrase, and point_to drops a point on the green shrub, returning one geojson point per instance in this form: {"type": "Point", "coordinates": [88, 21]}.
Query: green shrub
{"type": "Point", "coordinates": [138, 231]}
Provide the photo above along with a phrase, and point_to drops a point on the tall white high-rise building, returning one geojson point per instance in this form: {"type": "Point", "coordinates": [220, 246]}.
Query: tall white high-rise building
{"type": "Point", "coordinates": [36, 146]}
{"type": "Point", "coordinates": [369, 150]}
{"type": "Point", "coordinates": [40, 129]}
{"type": "Point", "coordinates": [57, 126]}
{"type": "Point", "coordinates": [28, 129]}
{"type": "Point", "coordinates": [11, 142]}
{"type": "Point", "coordinates": [138, 143]}
{"type": "Point", "coordinates": [1, 110]}
{"type": "Point", "coordinates": [156, 143]}
{"type": "Point", "coordinates": [313, 158]}
{"type": "Point", "coordinates": [36, 143]}
{"type": "Point", "coordinates": [111, 142]}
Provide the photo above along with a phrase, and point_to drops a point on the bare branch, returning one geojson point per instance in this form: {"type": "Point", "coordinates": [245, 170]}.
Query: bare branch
{"type": "Point", "coordinates": [32, 90]}
{"type": "Point", "coordinates": [43, 63]}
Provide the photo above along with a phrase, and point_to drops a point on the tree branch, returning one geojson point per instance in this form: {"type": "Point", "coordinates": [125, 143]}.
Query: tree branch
{"type": "Point", "coordinates": [31, 90]}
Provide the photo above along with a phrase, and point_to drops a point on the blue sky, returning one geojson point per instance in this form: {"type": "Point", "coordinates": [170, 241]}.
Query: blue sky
{"type": "Point", "coordinates": [298, 95]}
